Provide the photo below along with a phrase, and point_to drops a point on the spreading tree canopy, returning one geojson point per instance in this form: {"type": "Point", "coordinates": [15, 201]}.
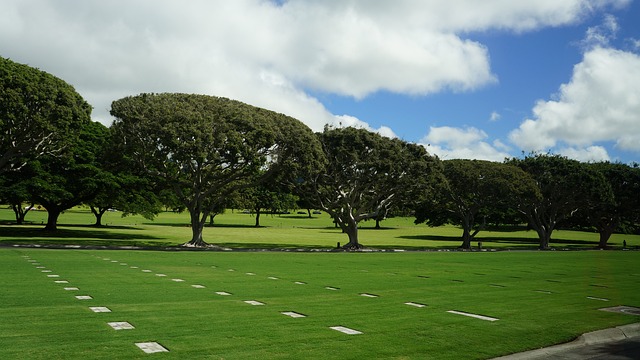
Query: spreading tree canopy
{"type": "Point", "coordinates": [205, 148]}
{"type": "Point", "coordinates": [565, 186]}
{"type": "Point", "coordinates": [621, 211]}
{"type": "Point", "coordinates": [472, 191]}
{"type": "Point", "coordinates": [71, 177]}
{"type": "Point", "coordinates": [366, 174]}
{"type": "Point", "coordinates": [39, 114]}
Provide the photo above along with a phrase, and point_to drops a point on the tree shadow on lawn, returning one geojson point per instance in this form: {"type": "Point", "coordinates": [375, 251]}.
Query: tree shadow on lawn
{"type": "Point", "coordinates": [270, 246]}
{"type": "Point", "coordinates": [185, 225]}
{"type": "Point", "coordinates": [499, 240]}
{"type": "Point", "coordinates": [83, 235]}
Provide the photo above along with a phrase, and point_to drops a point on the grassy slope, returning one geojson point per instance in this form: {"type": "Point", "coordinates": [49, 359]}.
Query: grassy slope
{"type": "Point", "coordinates": [39, 320]}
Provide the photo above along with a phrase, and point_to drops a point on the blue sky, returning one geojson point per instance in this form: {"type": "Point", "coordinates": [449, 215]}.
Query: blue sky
{"type": "Point", "coordinates": [467, 79]}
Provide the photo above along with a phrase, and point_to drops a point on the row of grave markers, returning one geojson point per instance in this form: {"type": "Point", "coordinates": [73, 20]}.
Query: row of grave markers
{"type": "Point", "coordinates": [147, 347]}
{"type": "Point", "coordinates": [153, 347]}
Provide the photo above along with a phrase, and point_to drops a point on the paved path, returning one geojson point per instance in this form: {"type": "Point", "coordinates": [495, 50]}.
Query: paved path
{"type": "Point", "coordinates": [622, 342]}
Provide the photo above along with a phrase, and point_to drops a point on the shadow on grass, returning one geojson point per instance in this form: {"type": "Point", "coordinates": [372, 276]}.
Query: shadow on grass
{"type": "Point", "coordinates": [78, 235]}
{"type": "Point", "coordinates": [499, 240]}
{"type": "Point", "coordinates": [185, 225]}
{"type": "Point", "coordinates": [264, 246]}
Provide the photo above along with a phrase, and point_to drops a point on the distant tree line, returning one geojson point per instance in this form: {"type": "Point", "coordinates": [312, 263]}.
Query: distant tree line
{"type": "Point", "coordinates": [204, 154]}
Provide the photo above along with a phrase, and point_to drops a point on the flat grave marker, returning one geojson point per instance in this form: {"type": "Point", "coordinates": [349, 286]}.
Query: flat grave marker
{"type": "Point", "coordinates": [151, 347]}
{"type": "Point", "coordinates": [223, 293]}
{"type": "Point", "coordinates": [301, 283]}
{"type": "Point", "coordinates": [71, 288]}
{"type": "Point", "coordinates": [53, 276]}
{"type": "Point", "coordinates": [331, 288]}
{"type": "Point", "coordinates": [369, 295]}
{"type": "Point", "coordinates": [346, 330]}
{"type": "Point", "coordinates": [198, 286]}
{"type": "Point", "coordinates": [146, 271]}
{"type": "Point", "coordinates": [100, 309]}
{"type": "Point", "coordinates": [61, 282]}
{"type": "Point", "coordinates": [293, 314]}
{"type": "Point", "coordinates": [597, 298]}
{"type": "Point", "coordinates": [415, 304]}
{"type": "Point", "coordinates": [177, 280]}
{"type": "Point", "coordinates": [481, 317]}
{"type": "Point", "coordinates": [543, 291]}
{"type": "Point", "coordinates": [161, 275]}
{"type": "Point", "coordinates": [629, 310]}
{"type": "Point", "coordinates": [83, 297]}
{"type": "Point", "coordinates": [254, 302]}
{"type": "Point", "coordinates": [121, 325]}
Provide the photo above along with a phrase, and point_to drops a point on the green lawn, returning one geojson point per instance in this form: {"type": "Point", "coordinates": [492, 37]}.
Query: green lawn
{"type": "Point", "coordinates": [234, 229]}
{"type": "Point", "coordinates": [540, 298]}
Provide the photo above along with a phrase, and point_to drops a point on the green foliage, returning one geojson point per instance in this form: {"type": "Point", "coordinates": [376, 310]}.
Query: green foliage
{"type": "Point", "coordinates": [565, 186]}
{"type": "Point", "coordinates": [367, 174]}
{"type": "Point", "coordinates": [621, 210]}
{"type": "Point", "coordinates": [39, 114]}
{"type": "Point", "coordinates": [473, 190]}
{"type": "Point", "coordinates": [72, 177]}
{"type": "Point", "coordinates": [205, 148]}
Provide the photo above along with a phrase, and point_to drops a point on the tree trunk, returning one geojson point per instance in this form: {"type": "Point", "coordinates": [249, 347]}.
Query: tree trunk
{"type": "Point", "coordinates": [466, 239]}
{"type": "Point", "coordinates": [197, 226]}
{"type": "Point", "coordinates": [350, 227]}
{"type": "Point", "coordinates": [20, 212]}
{"type": "Point", "coordinates": [543, 228]}
{"type": "Point", "coordinates": [467, 221]}
{"type": "Point", "coordinates": [605, 235]}
{"type": "Point", "coordinates": [309, 212]}
{"type": "Point", "coordinates": [98, 213]}
{"type": "Point", "coordinates": [378, 223]}
{"type": "Point", "coordinates": [257, 217]}
{"type": "Point", "coordinates": [605, 229]}
{"type": "Point", "coordinates": [52, 219]}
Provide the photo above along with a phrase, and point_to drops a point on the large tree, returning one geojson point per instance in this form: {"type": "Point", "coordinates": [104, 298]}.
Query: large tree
{"type": "Point", "coordinates": [621, 211]}
{"type": "Point", "coordinates": [127, 190]}
{"type": "Point", "coordinates": [565, 186]}
{"type": "Point", "coordinates": [71, 177]}
{"type": "Point", "coordinates": [472, 192]}
{"type": "Point", "coordinates": [205, 148]}
{"type": "Point", "coordinates": [39, 114]}
{"type": "Point", "coordinates": [366, 174]}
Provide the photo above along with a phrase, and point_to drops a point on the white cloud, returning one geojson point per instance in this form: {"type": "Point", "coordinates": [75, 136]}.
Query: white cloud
{"type": "Point", "coordinates": [601, 35]}
{"type": "Point", "coordinates": [347, 120]}
{"type": "Point", "coordinates": [269, 53]}
{"type": "Point", "coordinates": [600, 103]}
{"type": "Point", "coordinates": [495, 116]}
{"type": "Point", "coordinates": [588, 154]}
{"type": "Point", "coordinates": [469, 143]}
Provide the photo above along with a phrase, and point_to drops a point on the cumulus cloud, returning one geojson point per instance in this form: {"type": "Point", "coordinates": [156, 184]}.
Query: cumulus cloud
{"type": "Point", "coordinates": [469, 143]}
{"type": "Point", "coordinates": [601, 35]}
{"type": "Point", "coordinates": [348, 120]}
{"type": "Point", "coordinates": [600, 103]}
{"type": "Point", "coordinates": [587, 154]}
{"type": "Point", "coordinates": [269, 53]}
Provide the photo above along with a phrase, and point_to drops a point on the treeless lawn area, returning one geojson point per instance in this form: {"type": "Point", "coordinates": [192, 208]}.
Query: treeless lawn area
{"type": "Point", "coordinates": [194, 304]}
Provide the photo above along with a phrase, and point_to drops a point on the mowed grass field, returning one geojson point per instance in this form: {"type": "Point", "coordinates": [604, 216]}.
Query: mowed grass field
{"type": "Point", "coordinates": [236, 230]}
{"type": "Point", "coordinates": [540, 298]}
